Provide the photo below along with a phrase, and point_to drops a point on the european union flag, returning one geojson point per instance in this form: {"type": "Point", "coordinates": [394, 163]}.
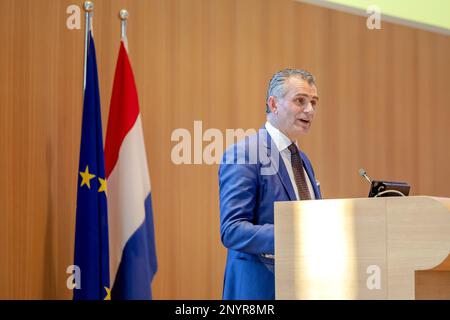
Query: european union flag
{"type": "Point", "coordinates": [91, 231]}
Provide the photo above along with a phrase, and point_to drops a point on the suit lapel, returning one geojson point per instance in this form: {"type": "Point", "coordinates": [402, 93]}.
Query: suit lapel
{"type": "Point", "coordinates": [277, 163]}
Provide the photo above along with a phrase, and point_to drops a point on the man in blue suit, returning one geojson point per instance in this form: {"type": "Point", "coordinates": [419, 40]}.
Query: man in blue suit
{"type": "Point", "coordinates": [256, 172]}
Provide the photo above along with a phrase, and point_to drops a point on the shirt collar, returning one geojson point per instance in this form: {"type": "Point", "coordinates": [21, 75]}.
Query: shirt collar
{"type": "Point", "coordinates": [279, 138]}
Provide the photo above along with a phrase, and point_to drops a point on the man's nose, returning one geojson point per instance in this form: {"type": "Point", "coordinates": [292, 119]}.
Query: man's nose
{"type": "Point", "coordinates": [309, 108]}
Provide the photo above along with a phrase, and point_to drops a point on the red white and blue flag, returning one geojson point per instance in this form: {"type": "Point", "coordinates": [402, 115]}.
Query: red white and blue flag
{"type": "Point", "coordinates": [132, 250]}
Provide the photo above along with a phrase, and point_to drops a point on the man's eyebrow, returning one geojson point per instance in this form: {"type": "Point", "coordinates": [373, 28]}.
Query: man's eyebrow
{"type": "Point", "coordinates": [305, 95]}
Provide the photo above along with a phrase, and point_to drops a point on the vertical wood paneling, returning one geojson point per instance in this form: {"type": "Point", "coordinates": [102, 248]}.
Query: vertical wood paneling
{"type": "Point", "coordinates": [384, 105]}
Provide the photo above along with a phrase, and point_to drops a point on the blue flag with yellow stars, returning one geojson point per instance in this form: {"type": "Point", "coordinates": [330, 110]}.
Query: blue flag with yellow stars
{"type": "Point", "coordinates": [91, 230]}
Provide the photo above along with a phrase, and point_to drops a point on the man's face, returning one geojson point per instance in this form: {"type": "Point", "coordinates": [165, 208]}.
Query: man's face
{"type": "Point", "coordinates": [295, 111]}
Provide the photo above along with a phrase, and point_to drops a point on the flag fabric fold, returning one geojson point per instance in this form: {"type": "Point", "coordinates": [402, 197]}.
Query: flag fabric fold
{"type": "Point", "coordinates": [91, 229]}
{"type": "Point", "coordinates": [133, 260]}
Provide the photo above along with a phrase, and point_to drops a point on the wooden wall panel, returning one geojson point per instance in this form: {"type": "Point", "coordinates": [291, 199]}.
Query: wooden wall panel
{"type": "Point", "coordinates": [384, 105]}
{"type": "Point", "coordinates": [375, 110]}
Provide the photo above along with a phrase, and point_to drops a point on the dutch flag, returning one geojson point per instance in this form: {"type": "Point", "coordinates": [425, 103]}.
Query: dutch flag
{"type": "Point", "coordinates": [131, 232]}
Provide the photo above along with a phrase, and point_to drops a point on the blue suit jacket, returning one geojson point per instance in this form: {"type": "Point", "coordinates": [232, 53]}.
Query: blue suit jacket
{"type": "Point", "coordinates": [248, 190]}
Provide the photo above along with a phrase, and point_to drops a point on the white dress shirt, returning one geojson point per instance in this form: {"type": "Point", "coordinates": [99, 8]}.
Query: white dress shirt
{"type": "Point", "coordinates": [282, 143]}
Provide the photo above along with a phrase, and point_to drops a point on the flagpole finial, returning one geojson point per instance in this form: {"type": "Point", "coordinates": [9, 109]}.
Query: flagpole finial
{"type": "Point", "coordinates": [123, 14]}
{"type": "Point", "coordinates": [88, 6]}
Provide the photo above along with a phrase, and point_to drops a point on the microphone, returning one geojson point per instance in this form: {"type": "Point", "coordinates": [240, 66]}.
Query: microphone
{"type": "Point", "coordinates": [381, 188]}
{"type": "Point", "coordinates": [363, 174]}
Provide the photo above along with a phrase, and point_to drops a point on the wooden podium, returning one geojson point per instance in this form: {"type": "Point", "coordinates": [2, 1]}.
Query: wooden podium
{"type": "Point", "coordinates": [376, 248]}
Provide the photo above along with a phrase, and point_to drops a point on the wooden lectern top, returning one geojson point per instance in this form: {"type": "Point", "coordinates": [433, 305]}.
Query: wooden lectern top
{"type": "Point", "coordinates": [376, 248]}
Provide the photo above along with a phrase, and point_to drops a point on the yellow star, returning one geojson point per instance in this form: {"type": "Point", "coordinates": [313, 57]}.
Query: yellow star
{"type": "Point", "coordinates": [102, 185]}
{"type": "Point", "coordinates": [108, 293]}
{"type": "Point", "coordinates": [86, 177]}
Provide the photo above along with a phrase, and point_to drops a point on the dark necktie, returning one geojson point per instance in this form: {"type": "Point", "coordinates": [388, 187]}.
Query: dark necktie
{"type": "Point", "coordinates": [299, 174]}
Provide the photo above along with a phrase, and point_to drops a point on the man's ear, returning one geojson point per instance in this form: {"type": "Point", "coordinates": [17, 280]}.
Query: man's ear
{"type": "Point", "coordinates": [272, 103]}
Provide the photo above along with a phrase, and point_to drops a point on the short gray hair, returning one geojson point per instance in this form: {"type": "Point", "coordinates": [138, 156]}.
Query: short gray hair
{"type": "Point", "coordinates": [279, 79]}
